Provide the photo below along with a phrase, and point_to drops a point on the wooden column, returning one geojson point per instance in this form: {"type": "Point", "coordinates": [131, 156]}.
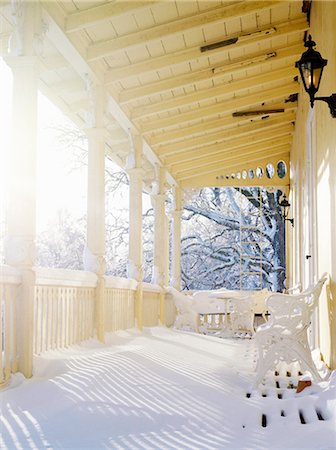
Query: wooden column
{"type": "Point", "coordinates": [135, 256]}
{"type": "Point", "coordinates": [21, 213]}
{"type": "Point", "coordinates": [176, 240]}
{"type": "Point", "coordinates": [158, 198]}
{"type": "Point", "coordinates": [94, 253]}
{"type": "Point", "coordinates": [161, 235]}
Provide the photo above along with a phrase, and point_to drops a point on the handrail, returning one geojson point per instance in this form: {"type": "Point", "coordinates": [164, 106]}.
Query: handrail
{"type": "Point", "coordinates": [149, 287]}
{"type": "Point", "coordinates": [9, 275]}
{"type": "Point", "coordinates": [65, 277]}
{"type": "Point", "coordinates": [68, 278]}
{"type": "Point", "coordinates": [120, 283]}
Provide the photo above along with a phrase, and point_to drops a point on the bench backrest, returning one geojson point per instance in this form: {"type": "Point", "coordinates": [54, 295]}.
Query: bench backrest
{"type": "Point", "coordinates": [290, 314]}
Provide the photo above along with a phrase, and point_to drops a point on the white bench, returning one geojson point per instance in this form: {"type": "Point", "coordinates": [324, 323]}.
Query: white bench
{"type": "Point", "coordinates": [285, 336]}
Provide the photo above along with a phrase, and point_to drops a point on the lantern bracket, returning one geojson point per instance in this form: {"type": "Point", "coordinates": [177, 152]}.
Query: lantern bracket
{"type": "Point", "coordinates": [331, 103]}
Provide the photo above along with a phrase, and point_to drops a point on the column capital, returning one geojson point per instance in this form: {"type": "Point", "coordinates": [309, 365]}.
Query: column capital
{"type": "Point", "coordinates": [157, 276]}
{"type": "Point", "coordinates": [157, 199]}
{"type": "Point", "coordinates": [162, 197]}
{"type": "Point", "coordinates": [135, 172]}
{"type": "Point", "coordinates": [135, 271]}
{"type": "Point", "coordinates": [96, 132]}
{"type": "Point", "coordinates": [93, 262]}
{"type": "Point", "coordinates": [20, 251]}
{"type": "Point", "coordinates": [176, 214]}
{"type": "Point", "coordinates": [21, 62]}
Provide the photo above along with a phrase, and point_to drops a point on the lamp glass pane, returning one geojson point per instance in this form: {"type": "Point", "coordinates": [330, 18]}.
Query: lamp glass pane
{"type": "Point", "coordinates": [306, 75]}
{"type": "Point", "coordinates": [317, 77]}
{"type": "Point", "coordinates": [311, 77]}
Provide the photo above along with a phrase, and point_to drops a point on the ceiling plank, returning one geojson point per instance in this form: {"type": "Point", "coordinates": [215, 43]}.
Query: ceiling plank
{"type": "Point", "coordinates": [182, 160]}
{"type": "Point", "coordinates": [227, 166]}
{"type": "Point", "coordinates": [259, 35]}
{"type": "Point", "coordinates": [250, 128]}
{"type": "Point", "coordinates": [233, 164]}
{"type": "Point", "coordinates": [219, 91]}
{"type": "Point", "coordinates": [267, 147]}
{"type": "Point", "coordinates": [142, 37]}
{"type": "Point", "coordinates": [222, 123]}
{"type": "Point", "coordinates": [226, 107]}
{"type": "Point", "coordinates": [258, 59]}
{"type": "Point", "coordinates": [102, 13]}
{"type": "Point", "coordinates": [223, 161]}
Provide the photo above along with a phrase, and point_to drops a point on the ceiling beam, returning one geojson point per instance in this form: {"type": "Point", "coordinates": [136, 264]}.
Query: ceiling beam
{"type": "Point", "coordinates": [211, 125]}
{"type": "Point", "coordinates": [257, 36]}
{"type": "Point", "coordinates": [64, 46]}
{"type": "Point", "coordinates": [180, 25]}
{"type": "Point", "coordinates": [223, 107]}
{"type": "Point", "coordinates": [60, 103]}
{"type": "Point", "coordinates": [247, 129]}
{"type": "Point", "coordinates": [216, 92]}
{"type": "Point", "coordinates": [52, 63]}
{"type": "Point", "coordinates": [102, 13]}
{"type": "Point", "coordinates": [200, 155]}
{"type": "Point", "coordinates": [73, 85]}
{"type": "Point", "coordinates": [221, 70]}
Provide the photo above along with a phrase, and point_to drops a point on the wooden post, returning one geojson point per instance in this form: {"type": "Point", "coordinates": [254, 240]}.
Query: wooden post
{"type": "Point", "coordinates": [135, 268]}
{"type": "Point", "coordinates": [94, 253]}
{"type": "Point", "coordinates": [21, 212]}
{"type": "Point", "coordinates": [176, 241]}
{"type": "Point", "coordinates": [161, 235]}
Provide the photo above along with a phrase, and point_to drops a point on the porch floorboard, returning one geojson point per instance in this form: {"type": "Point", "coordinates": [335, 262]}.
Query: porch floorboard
{"type": "Point", "coordinates": [160, 389]}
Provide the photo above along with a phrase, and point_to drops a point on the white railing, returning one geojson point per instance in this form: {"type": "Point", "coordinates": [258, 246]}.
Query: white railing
{"type": "Point", "coordinates": [170, 311]}
{"type": "Point", "coordinates": [151, 304]}
{"type": "Point", "coordinates": [119, 307]}
{"type": "Point", "coordinates": [65, 313]}
{"type": "Point", "coordinates": [64, 308]}
{"type": "Point", "coordinates": [9, 287]}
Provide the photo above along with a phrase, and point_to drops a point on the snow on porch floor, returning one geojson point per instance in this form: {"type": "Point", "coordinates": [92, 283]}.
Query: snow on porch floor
{"type": "Point", "coordinates": [160, 389]}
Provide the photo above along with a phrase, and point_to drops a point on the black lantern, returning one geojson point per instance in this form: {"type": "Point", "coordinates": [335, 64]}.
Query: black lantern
{"type": "Point", "coordinates": [311, 67]}
{"type": "Point", "coordinates": [285, 205]}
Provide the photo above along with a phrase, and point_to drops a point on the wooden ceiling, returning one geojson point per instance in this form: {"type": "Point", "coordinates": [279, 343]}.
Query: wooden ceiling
{"type": "Point", "coordinates": [210, 85]}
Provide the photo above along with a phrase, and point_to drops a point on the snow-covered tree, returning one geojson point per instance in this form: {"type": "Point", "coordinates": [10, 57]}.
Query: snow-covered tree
{"type": "Point", "coordinates": [232, 238]}
{"type": "Point", "coordinates": [229, 232]}
{"type": "Point", "coordinates": [62, 244]}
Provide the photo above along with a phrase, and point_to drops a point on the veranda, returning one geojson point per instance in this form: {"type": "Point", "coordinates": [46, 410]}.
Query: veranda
{"type": "Point", "coordinates": [182, 95]}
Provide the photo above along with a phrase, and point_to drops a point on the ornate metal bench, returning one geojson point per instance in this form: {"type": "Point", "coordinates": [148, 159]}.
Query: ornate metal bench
{"type": "Point", "coordinates": [285, 336]}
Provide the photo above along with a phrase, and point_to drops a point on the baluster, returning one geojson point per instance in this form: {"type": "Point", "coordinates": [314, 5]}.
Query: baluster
{"type": "Point", "coordinates": [14, 329]}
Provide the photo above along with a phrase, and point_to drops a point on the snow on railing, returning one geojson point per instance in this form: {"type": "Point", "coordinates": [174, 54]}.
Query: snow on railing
{"type": "Point", "coordinates": [9, 285]}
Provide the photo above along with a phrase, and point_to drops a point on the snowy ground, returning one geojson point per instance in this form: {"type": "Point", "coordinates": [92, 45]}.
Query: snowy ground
{"type": "Point", "coordinates": [161, 389]}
